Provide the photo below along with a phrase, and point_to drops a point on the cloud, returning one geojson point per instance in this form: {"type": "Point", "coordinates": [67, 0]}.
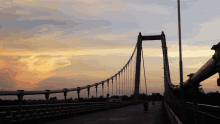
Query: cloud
{"type": "Point", "coordinates": [6, 83]}
{"type": "Point", "coordinates": [45, 41]}
{"type": "Point", "coordinates": [99, 7]}
{"type": "Point", "coordinates": [25, 1]}
{"type": "Point", "coordinates": [78, 66]}
{"type": "Point", "coordinates": [204, 33]}
{"type": "Point", "coordinates": [36, 3]}
{"type": "Point", "coordinates": [27, 24]}
{"type": "Point", "coordinates": [60, 82]}
{"type": "Point", "coordinates": [153, 8]}
{"type": "Point", "coordinates": [88, 24]}
{"type": "Point", "coordinates": [7, 17]}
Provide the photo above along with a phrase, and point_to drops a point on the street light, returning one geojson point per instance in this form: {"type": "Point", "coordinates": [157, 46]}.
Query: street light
{"type": "Point", "coordinates": [180, 66]}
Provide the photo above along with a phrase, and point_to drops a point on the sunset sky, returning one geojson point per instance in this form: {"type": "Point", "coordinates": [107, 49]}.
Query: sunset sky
{"type": "Point", "coordinates": [55, 44]}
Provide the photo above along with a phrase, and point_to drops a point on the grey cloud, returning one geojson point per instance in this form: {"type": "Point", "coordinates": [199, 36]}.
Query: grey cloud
{"type": "Point", "coordinates": [88, 24]}
{"type": "Point", "coordinates": [7, 17]}
{"type": "Point", "coordinates": [120, 25]}
{"type": "Point", "coordinates": [27, 24]}
{"type": "Point", "coordinates": [169, 3]}
{"type": "Point", "coordinates": [55, 83]}
{"type": "Point", "coordinates": [67, 82]}
{"type": "Point", "coordinates": [95, 42]}
{"type": "Point", "coordinates": [25, 43]}
{"type": "Point", "coordinates": [10, 29]}
{"type": "Point", "coordinates": [124, 16]}
{"type": "Point", "coordinates": [9, 14]}
{"type": "Point", "coordinates": [6, 83]}
{"type": "Point", "coordinates": [203, 43]}
{"type": "Point", "coordinates": [41, 13]}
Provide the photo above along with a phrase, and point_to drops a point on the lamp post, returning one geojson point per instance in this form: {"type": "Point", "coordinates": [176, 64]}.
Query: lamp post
{"type": "Point", "coordinates": [180, 66]}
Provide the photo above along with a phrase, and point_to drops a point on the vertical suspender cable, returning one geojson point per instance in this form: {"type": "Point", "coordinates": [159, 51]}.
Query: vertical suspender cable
{"type": "Point", "coordinates": [103, 89]}
{"type": "Point", "coordinates": [131, 77]}
{"type": "Point", "coordinates": [144, 71]}
{"type": "Point", "coordinates": [128, 79]}
{"type": "Point", "coordinates": [112, 86]}
{"type": "Point", "coordinates": [119, 84]}
{"type": "Point", "coordinates": [116, 84]}
{"type": "Point", "coordinates": [124, 80]}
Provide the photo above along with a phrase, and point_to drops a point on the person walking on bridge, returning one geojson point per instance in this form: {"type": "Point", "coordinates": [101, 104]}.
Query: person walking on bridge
{"type": "Point", "coordinates": [145, 103]}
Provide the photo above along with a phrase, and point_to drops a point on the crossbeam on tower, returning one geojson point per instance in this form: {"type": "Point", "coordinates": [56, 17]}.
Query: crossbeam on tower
{"type": "Point", "coordinates": [154, 37]}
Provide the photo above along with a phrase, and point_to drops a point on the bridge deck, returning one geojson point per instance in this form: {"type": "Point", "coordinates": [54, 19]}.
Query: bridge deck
{"type": "Point", "coordinates": [126, 115]}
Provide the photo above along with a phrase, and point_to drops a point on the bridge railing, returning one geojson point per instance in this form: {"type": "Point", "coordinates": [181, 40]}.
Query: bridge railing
{"type": "Point", "coordinates": [172, 116]}
{"type": "Point", "coordinates": [207, 114]}
{"type": "Point", "coordinates": [34, 112]}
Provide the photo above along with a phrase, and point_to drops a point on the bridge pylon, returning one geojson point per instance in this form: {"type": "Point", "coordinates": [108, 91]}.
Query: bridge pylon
{"type": "Point", "coordinates": [138, 59]}
{"type": "Point", "coordinates": [138, 66]}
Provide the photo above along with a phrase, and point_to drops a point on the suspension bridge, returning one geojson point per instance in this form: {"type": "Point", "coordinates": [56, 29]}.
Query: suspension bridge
{"type": "Point", "coordinates": [125, 81]}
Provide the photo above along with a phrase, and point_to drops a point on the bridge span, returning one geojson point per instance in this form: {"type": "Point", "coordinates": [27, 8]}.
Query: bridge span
{"type": "Point", "coordinates": [127, 115]}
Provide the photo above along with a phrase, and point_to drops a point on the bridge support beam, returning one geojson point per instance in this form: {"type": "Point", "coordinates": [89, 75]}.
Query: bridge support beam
{"type": "Point", "coordinates": [108, 88]}
{"type": "Point", "coordinates": [47, 96]}
{"type": "Point", "coordinates": [88, 89]}
{"type": "Point", "coordinates": [96, 90]}
{"type": "Point", "coordinates": [20, 98]}
{"type": "Point", "coordinates": [138, 66]}
{"type": "Point", "coordinates": [103, 89]}
{"type": "Point", "coordinates": [78, 91]}
{"type": "Point", "coordinates": [112, 86]}
{"type": "Point", "coordinates": [65, 94]}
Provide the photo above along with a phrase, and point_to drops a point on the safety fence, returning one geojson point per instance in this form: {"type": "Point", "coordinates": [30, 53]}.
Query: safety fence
{"type": "Point", "coordinates": [172, 116]}
{"type": "Point", "coordinates": [34, 112]}
{"type": "Point", "coordinates": [207, 114]}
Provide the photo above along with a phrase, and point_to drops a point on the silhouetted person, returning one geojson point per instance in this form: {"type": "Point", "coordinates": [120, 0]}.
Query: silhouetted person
{"type": "Point", "coordinates": [145, 103]}
{"type": "Point", "coordinates": [153, 102]}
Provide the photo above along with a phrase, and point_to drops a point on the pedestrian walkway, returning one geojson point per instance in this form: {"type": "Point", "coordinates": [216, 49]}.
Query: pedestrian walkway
{"type": "Point", "coordinates": [127, 115]}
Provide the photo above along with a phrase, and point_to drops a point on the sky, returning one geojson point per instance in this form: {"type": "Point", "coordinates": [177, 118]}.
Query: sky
{"type": "Point", "coordinates": [56, 44]}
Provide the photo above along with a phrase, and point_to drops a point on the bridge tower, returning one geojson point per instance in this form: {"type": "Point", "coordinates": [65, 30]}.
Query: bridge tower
{"type": "Point", "coordinates": [166, 68]}
{"type": "Point", "coordinates": [138, 67]}
{"type": "Point", "coordinates": [165, 60]}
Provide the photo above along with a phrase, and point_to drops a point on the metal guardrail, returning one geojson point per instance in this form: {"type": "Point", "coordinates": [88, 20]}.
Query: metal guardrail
{"type": "Point", "coordinates": [207, 114]}
{"type": "Point", "coordinates": [209, 109]}
{"type": "Point", "coordinates": [10, 116]}
{"type": "Point", "coordinates": [172, 116]}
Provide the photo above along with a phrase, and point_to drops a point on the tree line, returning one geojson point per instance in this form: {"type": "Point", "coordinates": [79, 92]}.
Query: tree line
{"type": "Point", "coordinates": [210, 98]}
